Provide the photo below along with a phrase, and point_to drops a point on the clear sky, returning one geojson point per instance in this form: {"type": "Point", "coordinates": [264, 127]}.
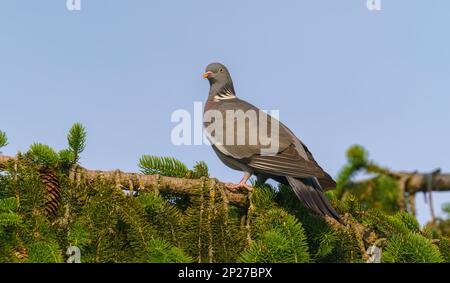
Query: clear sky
{"type": "Point", "coordinates": [339, 74]}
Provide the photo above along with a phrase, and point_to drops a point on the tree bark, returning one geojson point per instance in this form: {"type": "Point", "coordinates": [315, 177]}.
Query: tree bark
{"type": "Point", "coordinates": [416, 182]}
{"type": "Point", "coordinates": [138, 181]}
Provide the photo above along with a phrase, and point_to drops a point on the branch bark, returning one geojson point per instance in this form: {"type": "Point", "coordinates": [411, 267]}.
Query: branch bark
{"type": "Point", "coordinates": [416, 182]}
{"type": "Point", "coordinates": [138, 181]}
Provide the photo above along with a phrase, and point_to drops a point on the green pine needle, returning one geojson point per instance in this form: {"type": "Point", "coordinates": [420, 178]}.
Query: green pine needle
{"type": "Point", "coordinates": [409, 221]}
{"type": "Point", "coordinates": [162, 252]}
{"type": "Point", "coordinates": [66, 158]}
{"type": "Point", "coordinates": [201, 170]}
{"type": "Point", "coordinates": [3, 139]}
{"type": "Point", "coordinates": [411, 248]}
{"type": "Point", "coordinates": [43, 252]}
{"type": "Point", "coordinates": [166, 166]}
{"type": "Point", "coordinates": [282, 239]}
{"type": "Point", "coordinates": [8, 204]}
{"type": "Point", "coordinates": [387, 224]}
{"type": "Point", "coordinates": [10, 219]}
{"type": "Point", "coordinates": [78, 235]}
{"type": "Point", "coordinates": [444, 247]}
{"type": "Point", "coordinates": [77, 140]}
{"type": "Point", "coordinates": [43, 154]}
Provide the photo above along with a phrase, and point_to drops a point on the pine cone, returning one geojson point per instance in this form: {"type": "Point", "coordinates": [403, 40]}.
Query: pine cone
{"type": "Point", "coordinates": [53, 187]}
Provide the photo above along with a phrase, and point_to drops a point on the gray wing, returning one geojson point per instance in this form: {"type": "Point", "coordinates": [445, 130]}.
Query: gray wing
{"type": "Point", "coordinates": [245, 128]}
{"type": "Point", "coordinates": [290, 163]}
{"type": "Point", "coordinates": [285, 163]}
{"type": "Point", "coordinates": [292, 158]}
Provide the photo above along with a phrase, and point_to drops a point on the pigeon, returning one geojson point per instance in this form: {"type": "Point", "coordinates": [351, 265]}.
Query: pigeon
{"type": "Point", "coordinates": [289, 163]}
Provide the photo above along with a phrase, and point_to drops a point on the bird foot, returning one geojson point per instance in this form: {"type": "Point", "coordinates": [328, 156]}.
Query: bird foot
{"type": "Point", "coordinates": [234, 187]}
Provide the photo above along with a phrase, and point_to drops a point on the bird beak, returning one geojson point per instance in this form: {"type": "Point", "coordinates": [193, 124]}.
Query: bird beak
{"type": "Point", "coordinates": [207, 74]}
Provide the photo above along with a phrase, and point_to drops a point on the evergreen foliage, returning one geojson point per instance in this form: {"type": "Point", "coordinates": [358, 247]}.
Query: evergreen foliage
{"type": "Point", "coordinates": [44, 155]}
{"type": "Point", "coordinates": [108, 225]}
{"type": "Point", "coordinates": [166, 166]}
{"type": "Point", "coordinates": [380, 192]}
{"type": "Point", "coordinates": [441, 226]}
{"type": "Point", "coordinates": [279, 237]}
{"type": "Point", "coordinates": [411, 247]}
{"type": "Point", "coordinates": [3, 139]}
{"type": "Point", "coordinates": [77, 141]}
{"type": "Point", "coordinates": [171, 167]}
{"type": "Point", "coordinates": [444, 248]}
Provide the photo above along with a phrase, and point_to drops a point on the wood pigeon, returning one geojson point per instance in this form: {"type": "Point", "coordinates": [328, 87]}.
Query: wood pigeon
{"type": "Point", "coordinates": [291, 163]}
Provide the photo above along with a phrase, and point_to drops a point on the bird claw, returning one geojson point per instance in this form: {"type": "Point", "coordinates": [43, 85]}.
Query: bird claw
{"type": "Point", "coordinates": [234, 187]}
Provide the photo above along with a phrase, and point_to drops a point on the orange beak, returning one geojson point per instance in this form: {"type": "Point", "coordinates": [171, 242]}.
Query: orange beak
{"type": "Point", "coordinates": [207, 74]}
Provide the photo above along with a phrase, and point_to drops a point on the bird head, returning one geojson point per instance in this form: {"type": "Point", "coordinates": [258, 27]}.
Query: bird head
{"type": "Point", "coordinates": [216, 72]}
{"type": "Point", "coordinates": [218, 76]}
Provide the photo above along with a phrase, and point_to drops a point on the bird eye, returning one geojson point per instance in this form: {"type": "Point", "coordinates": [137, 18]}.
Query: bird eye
{"type": "Point", "coordinates": [221, 70]}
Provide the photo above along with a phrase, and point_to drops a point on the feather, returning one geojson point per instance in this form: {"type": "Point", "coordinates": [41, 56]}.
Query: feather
{"type": "Point", "coordinates": [311, 194]}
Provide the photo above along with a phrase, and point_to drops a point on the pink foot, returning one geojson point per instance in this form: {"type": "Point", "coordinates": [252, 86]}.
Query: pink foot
{"type": "Point", "coordinates": [234, 187]}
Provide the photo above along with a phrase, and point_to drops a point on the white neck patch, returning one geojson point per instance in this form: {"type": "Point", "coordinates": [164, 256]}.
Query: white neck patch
{"type": "Point", "coordinates": [227, 94]}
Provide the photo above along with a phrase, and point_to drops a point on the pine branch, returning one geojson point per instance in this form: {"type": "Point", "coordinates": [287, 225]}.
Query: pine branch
{"type": "Point", "coordinates": [171, 167]}
{"type": "Point", "coordinates": [184, 186]}
{"type": "Point", "coordinates": [410, 182]}
{"type": "Point", "coordinates": [43, 154]}
{"type": "Point", "coordinates": [77, 140]}
{"type": "Point", "coordinates": [166, 166]}
{"type": "Point", "coordinates": [3, 139]}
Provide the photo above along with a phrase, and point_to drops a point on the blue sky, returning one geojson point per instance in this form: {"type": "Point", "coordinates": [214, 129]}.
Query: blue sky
{"type": "Point", "coordinates": [339, 74]}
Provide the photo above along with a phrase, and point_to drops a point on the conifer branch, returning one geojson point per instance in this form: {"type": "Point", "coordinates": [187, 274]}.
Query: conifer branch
{"type": "Point", "coordinates": [3, 140]}
{"type": "Point", "coordinates": [182, 186]}
{"type": "Point", "coordinates": [417, 182]}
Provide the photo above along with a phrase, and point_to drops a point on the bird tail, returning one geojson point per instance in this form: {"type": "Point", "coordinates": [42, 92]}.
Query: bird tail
{"type": "Point", "coordinates": [311, 195]}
